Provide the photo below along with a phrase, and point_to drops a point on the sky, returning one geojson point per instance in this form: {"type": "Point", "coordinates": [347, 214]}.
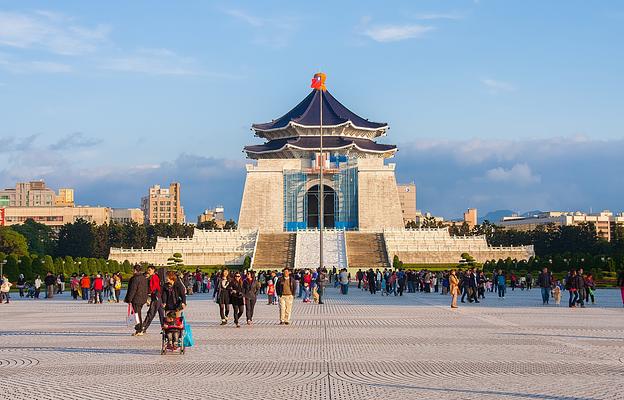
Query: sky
{"type": "Point", "coordinates": [493, 104]}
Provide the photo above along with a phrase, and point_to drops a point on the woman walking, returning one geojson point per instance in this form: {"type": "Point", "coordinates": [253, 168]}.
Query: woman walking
{"type": "Point", "coordinates": [173, 294]}
{"type": "Point", "coordinates": [223, 296]}
{"type": "Point", "coordinates": [454, 288]}
{"type": "Point", "coordinates": [237, 297]}
{"type": "Point", "coordinates": [251, 287]}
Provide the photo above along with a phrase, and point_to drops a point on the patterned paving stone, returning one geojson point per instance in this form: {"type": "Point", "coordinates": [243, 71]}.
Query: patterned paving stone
{"type": "Point", "coordinates": [354, 347]}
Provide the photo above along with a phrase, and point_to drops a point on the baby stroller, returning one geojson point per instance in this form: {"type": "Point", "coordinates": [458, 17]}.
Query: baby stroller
{"type": "Point", "coordinates": [178, 346]}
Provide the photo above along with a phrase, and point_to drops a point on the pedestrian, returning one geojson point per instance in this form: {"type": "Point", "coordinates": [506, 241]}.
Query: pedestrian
{"type": "Point", "coordinates": [50, 282]}
{"type": "Point", "coordinates": [544, 280]}
{"type": "Point", "coordinates": [85, 285]}
{"type": "Point", "coordinates": [223, 297]}
{"type": "Point", "coordinates": [237, 297]}
{"type": "Point", "coordinates": [251, 288]}
{"type": "Point", "coordinates": [20, 284]}
{"type": "Point", "coordinates": [571, 287]}
{"type": "Point", "coordinates": [5, 288]}
{"type": "Point", "coordinates": [501, 283]}
{"type": "Point", "coordinates": [372, 285]}
{"type": "Point", "coordinates": [590, 288]}
{"type": "Point", "coordinates": [285, 289]}
{"type": "Point", "coordinates": [117, 286]}
{"type": "Point", "coordinates": [136, 296]}
{"type": "Point", "coordinates": [343, 278]}
{"type": "Point", "coordinates": [155, 298]}
{"type": "Point", "coordinates": [37, 286]}
{"type": "Point", "coordinates": [98, 287]}
{"type": "Point", "coordinates": [453, 287]}
{"type": "Point", "coordinates": [173, 294]}
{"type": "Point", "coordinates": [580, 288]}
{"type": "Point", "coordinates": [321, 274]}
{"type": "Point", "coordinates": [621, 284]}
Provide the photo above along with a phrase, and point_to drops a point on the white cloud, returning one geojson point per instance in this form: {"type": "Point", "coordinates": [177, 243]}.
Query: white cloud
{"type": "Point", "coordinates": [12, 65]}
{"type": "Point", "coordinates": [393, 33]}
{"type": "Point", "coordinates": [519, 173]}
{"type": "Point", "coordinates": [153, 62]}
{"type": "Point", "coordinates": [49, 31]}
{"type": "Point", "coordinates": [434, 16]}
{"type": "Point", "coordinates": [496, 86]}
{"type": "Point", "coordinates": [276, 31]}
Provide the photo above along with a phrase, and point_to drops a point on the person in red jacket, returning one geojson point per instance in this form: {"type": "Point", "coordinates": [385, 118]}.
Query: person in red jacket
{"type": "Point", "coordinates": [98, 287]}
{"type": "Point", "coordinates": [85, 286]}
{"type": "Point", "coordinates": [155, 299]}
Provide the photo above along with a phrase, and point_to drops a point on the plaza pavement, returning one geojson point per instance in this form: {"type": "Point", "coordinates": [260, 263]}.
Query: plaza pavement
{"type": "Point", "coordinates": [353, 347]}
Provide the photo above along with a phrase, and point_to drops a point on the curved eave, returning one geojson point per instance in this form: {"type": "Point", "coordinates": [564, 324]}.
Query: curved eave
{"type": "Point", "coordinates": [383, 127]}
{"type": "Point", "coordinates": [289, 146]}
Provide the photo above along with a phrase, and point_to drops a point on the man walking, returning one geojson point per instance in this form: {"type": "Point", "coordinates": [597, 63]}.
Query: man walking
{"type": "Point", "coordinates": [285, 289]}
{"type": "Point", "coordinates": [544, 280]}
{"type": "Point", "coordinates": [320, 283]}
{"type": "Point", "coordinates": [155, 296]}
{"type": "Point", "coordinates": [137, 296]}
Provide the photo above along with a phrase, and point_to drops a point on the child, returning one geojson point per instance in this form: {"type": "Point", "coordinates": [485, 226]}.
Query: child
{"type": "Point", "coordinates": [172, 327]}
{"type": "Point", "coordinates": [270, 291]}
{"type": "Point", "coordinates": [557, 294]}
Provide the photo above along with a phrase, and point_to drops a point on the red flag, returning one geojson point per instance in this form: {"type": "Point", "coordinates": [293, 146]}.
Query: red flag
{"type": "Point", "coordinates": [318, 82]}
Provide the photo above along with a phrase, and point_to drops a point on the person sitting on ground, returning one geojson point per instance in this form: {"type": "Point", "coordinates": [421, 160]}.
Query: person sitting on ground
{"type": "Point", "coordinates": [173, 327]}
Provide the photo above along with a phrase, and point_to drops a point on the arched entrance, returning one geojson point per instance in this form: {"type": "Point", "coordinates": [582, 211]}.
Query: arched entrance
{"type": "Point", "coordinates": [312, 201]}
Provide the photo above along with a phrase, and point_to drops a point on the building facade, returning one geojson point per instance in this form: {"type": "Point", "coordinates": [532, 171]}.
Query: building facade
{"type": "Point", "coordinates": [282, 188]}
{"type": "Point", "coordinates": [162, 205]}
{"type": "Point", "coordinates": [407, 197]}
{"type": "Point", "coordinates": [470, 217]}
{"type": "Point", "coordinates": [56, 217]}
{"type": "Point", "coordinates": [127, 215]}
{"type": "Point", "coordinates": [604, 221]}
{"type": "Point", "coordinates": [35, 194]}
{"type": "Point", "coordinates": [216, 214]}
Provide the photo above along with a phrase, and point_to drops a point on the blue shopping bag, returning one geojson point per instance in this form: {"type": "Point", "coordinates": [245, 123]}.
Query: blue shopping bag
{"type": "Point", "coordinates": [188, 335]}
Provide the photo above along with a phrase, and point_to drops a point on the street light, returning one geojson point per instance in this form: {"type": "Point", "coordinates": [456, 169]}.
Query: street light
{"type": "Point", "coordinates": [2, 268]}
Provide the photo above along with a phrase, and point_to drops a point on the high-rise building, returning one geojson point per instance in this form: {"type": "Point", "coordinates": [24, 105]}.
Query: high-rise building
{"type": "Point", "coordinates": [407, 197]}
{"type": "Point", "coordinates": [162, 205]}
{"type": "Point", "coordinates": [470, 217]}
{"type": "Point", "coordinates": [35, 194]}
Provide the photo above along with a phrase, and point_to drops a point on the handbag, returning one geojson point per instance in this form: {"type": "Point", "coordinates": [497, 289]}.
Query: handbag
{"type": "Point", "coordinates": [132, 318]}
{"type": "Point", "coordinates": [188, 335]}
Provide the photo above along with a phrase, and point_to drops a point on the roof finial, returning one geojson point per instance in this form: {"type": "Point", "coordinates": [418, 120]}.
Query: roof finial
{"type": "Point", "coordinates": [318, 82]}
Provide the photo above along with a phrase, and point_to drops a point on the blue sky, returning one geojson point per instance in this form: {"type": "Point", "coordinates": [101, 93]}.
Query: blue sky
{"type": "Point", "coordinates": [493, 104]}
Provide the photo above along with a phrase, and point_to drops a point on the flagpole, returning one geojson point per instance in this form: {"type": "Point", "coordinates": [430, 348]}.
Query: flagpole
{"type": "Point", "coordinates": [321, 194]}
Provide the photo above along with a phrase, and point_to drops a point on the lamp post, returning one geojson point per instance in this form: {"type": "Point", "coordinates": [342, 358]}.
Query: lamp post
{"type": "Point", "coordinates": [2, 268]}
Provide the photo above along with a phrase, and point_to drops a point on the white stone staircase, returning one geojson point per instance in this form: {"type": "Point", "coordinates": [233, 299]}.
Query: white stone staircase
{"type": "Point", "coordinates": [307, 249]}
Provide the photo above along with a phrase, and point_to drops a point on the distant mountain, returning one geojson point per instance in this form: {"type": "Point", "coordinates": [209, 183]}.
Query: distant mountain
{"type": "Point", "coordinates": [495, 216]}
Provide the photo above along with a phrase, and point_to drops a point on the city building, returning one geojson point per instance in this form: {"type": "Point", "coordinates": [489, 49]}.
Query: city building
{"type": "Point", "coordinates": [407, 198]}
{"type": "Point", "coordinates": [35, 194]}
{"type": "Point", "coordinates": [216, 214]}
{"type": "Point", "coordinates": [162, 205]}
{"type": "Point", "coordinates": [470, 217]}
{"type": "Point", "coordinates": [282, 206]}
{"type": "Point", "coordinates": [127, 215]}
{"type": "Point", "coordinates": [604, 221]}
{"type": "Point", "coordinates": [56, 217]}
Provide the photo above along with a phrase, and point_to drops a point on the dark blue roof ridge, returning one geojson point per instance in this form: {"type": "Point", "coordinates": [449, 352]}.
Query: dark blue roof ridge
{"type": "Point", "coordinates": [307, 113]}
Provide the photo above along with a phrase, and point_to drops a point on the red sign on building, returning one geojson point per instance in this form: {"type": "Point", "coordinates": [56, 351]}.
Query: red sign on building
{"type": "Point", "coordinates": [1, 216]}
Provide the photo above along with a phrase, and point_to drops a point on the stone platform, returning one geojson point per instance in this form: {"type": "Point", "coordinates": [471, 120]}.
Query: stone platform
{"type": "Point", "coordinates": [354, 347]}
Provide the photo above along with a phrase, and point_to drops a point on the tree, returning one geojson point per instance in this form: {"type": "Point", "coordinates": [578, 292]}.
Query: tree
{"type": "Point", "coordinates": [175, 261]}
{"type": "Point", "coordinates": [48, 265]}
{"type": "Point", "coordinates": [12, 242]}
{"type": "Point", "coordinates": [208, 225]}
{"type": "Point", "coordinates": [247, 263]}
{"type": "Point", "coordinates": [26, 268]}
{"type": "Point", "coordinates": [467, 259]}
{"type": "Point", "coordinates": [11, 268]}
{"type": "Point", "coordinates": [230, 225]}
{"type": "Point", "coordinates": [126, 267]}
{"type": "Point", "coordinates": [39, 237]}
{"type": "Point", "coordinates": [395, 262]}
{"type": "Point", "coordinates": [37, 266]}
{"type": "Point", "coordinates": [77, 239]}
